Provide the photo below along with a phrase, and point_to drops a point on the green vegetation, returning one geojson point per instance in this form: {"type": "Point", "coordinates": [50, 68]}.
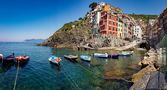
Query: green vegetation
{"type": "Point", "coordinates": [145, 18]}
{"type": "Point", "coordinates": [93, 5]}
{"type": "Point", "coordinates": [71, 34]}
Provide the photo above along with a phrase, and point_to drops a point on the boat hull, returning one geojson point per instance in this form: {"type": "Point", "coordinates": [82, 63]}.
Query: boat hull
{"type": "Point", "coordinates": [126, 53]}
{"type": "Point", "coordinates": [100, 55]}
{"type": "Point", "coordinates": [71, 58]}
{"type": "Point", "coordinates": [114, 56]}
{"type": "Point", "coordinates": [54, 60]}
{"type": "Point", "coordinates": [85, 58]}
{"type": "Point", "coordinates": [58, 64]}
{"type": "Point", "coordinates": [22, 59]}
{"type": "Point", "coordinates": [8, 60]}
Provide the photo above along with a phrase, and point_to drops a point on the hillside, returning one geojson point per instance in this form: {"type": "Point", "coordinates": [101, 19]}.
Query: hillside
{"type": "Point", "coordinates": [71, 34]}
{"type": "Point", "coordinates": [34, 40]}
{"type": "Point", "coordinates": [144, 17]}
{"type": "Point", "coordinates": [79, 32]}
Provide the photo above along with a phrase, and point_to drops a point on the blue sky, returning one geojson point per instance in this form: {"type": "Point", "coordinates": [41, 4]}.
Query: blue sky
{"type": "Point", "coordinates": [26, 19]}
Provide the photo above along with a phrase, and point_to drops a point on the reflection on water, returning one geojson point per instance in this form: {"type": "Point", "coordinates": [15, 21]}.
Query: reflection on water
{"type": "Point", "coordinates": [38, 73]}
{"type": "Point", "coordinates": [55, 67]}
{"type": "Point", "coordinates": [6, 67]}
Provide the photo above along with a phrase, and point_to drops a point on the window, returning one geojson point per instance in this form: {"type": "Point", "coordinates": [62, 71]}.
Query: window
{"type": "Point", "coordinates": [109, 27]}
{"type": "Point", "coordinates": [110, 22]}
{"type": "Point", "coordinates": [101, 22]}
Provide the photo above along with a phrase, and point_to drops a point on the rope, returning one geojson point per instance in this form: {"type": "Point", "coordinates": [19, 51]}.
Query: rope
{"type": "Point", "coordinates": [69, 78]}
{"type": "Point", "coordinates": [15, 82]}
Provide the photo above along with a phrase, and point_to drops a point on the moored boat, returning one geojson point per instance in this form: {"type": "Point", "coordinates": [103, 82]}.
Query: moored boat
{"type": "Point", "coordinates": [101, 55]}
{"type": "Point", "coordinates": [9, 59]}
{"type": "Point", "coordinates": [22, 58]}
{"type": "Point", "coordinates": [85, 58]}
{"type": "Point", "coordinates": [55, 60]}
{"type": "Point", "coordinates": [114, 56]}
{"type": "Point", "coordinates": [1, 56]}
{"type": "Point", "coordinates": [126, 53]}
{"type": "Point", "coordinates": [71, 57]}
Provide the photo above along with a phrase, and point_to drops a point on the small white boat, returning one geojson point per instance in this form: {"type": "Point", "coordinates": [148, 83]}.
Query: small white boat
{"type": "Point", "coordinates": [1, 56]}
{"type": "Point", "coordinates": [101, 55]}
{"type": "Point", "coordinates": [126, 53]}
{"type": "Point", "coordinates": [71, 57]}
{"type": "Point", "coordinates": [55, 60]}
{"type": "Point", "coordinates": [85, 58]}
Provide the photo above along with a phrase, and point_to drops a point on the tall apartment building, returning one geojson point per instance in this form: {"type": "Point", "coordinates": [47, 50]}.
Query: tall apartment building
{"type": "Point", "coordinates": [108, 24]}
{"type": "Point", "coordinates": [109, 21]}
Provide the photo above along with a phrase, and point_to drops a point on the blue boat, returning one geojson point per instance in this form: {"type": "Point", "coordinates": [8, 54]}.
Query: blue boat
{"type": "Point", "coordinates": [114, 56]}
{"type": "Point", "coordinates": [55, 60]}
{"type": "Point", "coordinates": [85, 58]}
{"type": "Point", "coordinates": [9, 59]}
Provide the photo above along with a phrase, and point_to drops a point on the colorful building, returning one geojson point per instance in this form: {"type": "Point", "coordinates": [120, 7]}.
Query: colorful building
{"type": "Point", "coordinates": [108, 24]}
{"type": "Point", "coordinates": [109, 21]}
{"type": "Point", "coordinates": [120, 29]}
{"type": "Point", "coordinates": [137, 32]}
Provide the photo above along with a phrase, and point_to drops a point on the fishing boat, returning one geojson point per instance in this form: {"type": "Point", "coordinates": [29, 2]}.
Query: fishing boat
{"type": "Point", "coordinates": [101, 55]}
{"type": "Point", "coordinates": [114, 56]}
{"type": "Point", "coordinates": [85, 58]}
{"type": "Point", "coordinates": [22, 58]}
{"type": "Point", "coordinates": [55, 60]}
{"type": "Point", "coordinates": [1, 56]}
{"type": "Point", "coordinates": [9, 59]}
{"type": "Point", "coordinates": [126, 53]}
{"type": "Point", "coordinates": [71, 57]}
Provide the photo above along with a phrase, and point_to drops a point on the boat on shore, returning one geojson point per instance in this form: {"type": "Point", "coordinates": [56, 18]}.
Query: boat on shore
{"type": "Point", "coordinates": [101, 55]}
{"type": "Point", "coordinates": [55, 60]}
{"type": "Point", "coordinates": [126, 53]}
{"type": "Point", "coordinates": [71, 57]}
{"type": "Point", "coordinates": [85, 58]}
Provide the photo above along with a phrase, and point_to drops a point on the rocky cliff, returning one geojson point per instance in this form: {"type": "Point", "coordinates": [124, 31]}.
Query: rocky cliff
{"type": "Point", "coordinates": [158, 31]}
{"type": "Point", "coordinates": [71, 34]}
{"type": "Point", "coordinates": [79, 32]}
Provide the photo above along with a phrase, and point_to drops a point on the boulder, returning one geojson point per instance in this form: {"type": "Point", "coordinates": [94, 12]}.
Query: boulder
{"type": "Point", "coordinates": [141, 73]}
{"type": "Point", "coordinates": [141, 84]}
{"type": "Point", "coordinates": [150, 81]}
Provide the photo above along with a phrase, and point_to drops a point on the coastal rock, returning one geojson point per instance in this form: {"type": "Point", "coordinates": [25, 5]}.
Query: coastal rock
{"type": "Point", "coordinates": [141, 73]}
{"type": "Point", "coordinates": [150, 81]}
{"type": "Point", "coordinates": [149, 77]}
{"type": "Point", "coordinates": [151, 57]}
{"type": "Point", "coordinates": [141, 84]}
{"type": "Point", "coordinates": [70, 36]}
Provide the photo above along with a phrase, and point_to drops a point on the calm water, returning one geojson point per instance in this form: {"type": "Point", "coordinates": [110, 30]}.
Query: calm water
{"type": "Point", "coordinates": [39, 74]}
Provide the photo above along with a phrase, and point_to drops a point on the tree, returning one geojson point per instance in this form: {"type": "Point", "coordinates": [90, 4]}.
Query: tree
{"type": "Point", "coordinates": [80, 18]}
{"type": "Point", "coordinates": [93, 5]}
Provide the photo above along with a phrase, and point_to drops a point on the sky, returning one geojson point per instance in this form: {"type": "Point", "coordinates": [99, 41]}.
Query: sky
{"type": "Point", "coordinates": [39, 19]}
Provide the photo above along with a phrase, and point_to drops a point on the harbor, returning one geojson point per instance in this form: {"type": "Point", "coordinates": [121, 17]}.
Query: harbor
{"type": "Point", "coordinates": [83, 45]}
{"type": "Point", "coordinates": [99, 73]}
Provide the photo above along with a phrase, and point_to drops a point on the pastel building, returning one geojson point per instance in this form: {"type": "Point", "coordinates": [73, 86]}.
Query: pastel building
{"type": "Point", "coordinates": [137, 32]}
{"type": "Point", "coordinates": [95, 22]}
{"type": "Point", "coordinates": [108, 24]}
{"type": "Point", "coordinates": [109, 21]}
{"type": "Point", "coordinates": [120, 29]}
